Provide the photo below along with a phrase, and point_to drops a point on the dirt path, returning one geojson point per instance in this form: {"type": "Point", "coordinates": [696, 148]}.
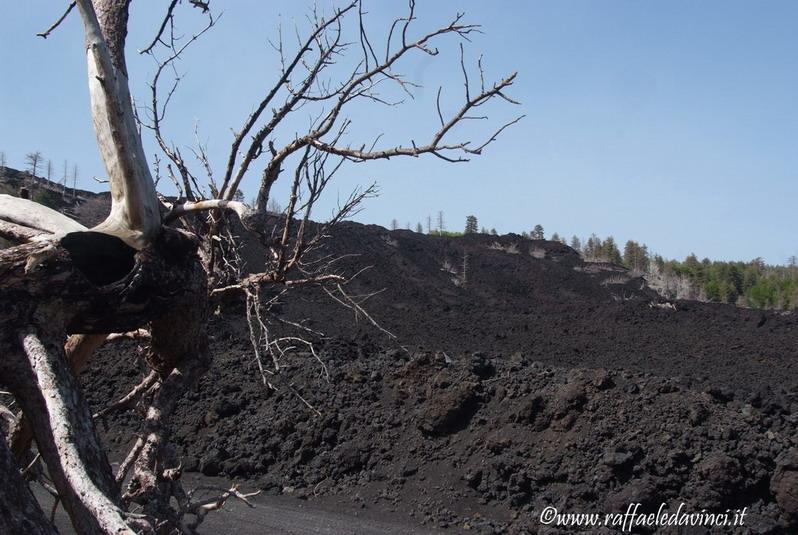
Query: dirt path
{"type": "Point", "coordinates": [281, 515]}
{"type": "Point", "coordinates": [294, 517]}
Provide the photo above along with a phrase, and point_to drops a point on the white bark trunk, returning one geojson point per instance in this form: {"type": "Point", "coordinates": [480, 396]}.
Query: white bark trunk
{"type": "Point", "coordinates": [78, 350]}
{"type": "Point", "coordinates": [135, 209]}
{"type": "Point", "coordinates": [18, 233]}
{"type": "Point", "coordinates": [69, 427]}
{"type": "Point", "coordinates": [179, 210]}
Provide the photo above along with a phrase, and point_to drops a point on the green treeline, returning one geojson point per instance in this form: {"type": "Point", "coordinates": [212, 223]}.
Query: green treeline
{"type": "Point", "coordinates": [753, 284]}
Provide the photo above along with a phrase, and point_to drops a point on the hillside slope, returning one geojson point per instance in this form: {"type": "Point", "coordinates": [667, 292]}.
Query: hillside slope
{"type": "Point", "coordinates": [537, 381]}
{"type": "Point", "coordinates": [538, 297]}
{"type": "Point", "coordinates": [521, 378]}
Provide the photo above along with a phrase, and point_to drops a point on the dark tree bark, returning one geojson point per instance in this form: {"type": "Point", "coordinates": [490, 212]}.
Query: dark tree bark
{"type": "Point", "coordinates": [112, 16]}
{"type": "Point", "coordinates": [66, 291]}
{"type": "Point", "coordinates": [19, 510]}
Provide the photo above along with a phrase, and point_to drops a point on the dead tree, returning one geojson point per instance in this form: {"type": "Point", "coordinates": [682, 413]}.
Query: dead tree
{"type": "Point", "coordinates": [158, 265]}
{"type": "Point", "coordinates": [33, 161]}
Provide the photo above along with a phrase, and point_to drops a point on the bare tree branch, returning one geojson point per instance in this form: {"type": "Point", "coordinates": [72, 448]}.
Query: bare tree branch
{"type": "Point", "coordinates": [228, 183]}
{"type": "Point", "coordinates": [130, 335]}
{"type": "Point", "coordinates": [32, 215]}
{"type": "Point", "coordinates": [89, 505]}
{"type": "Point", "coordinates": [157, 109]}
{"type": "Point", "coordinates": [179, 210]}
{"type": "Point", "coordinates": [167, 18]}
{"type": "Point", "coordinates": [359, 86]}
{"type": "Point", "coordinates": [202, 507]}
{"type": "Point", "coordinates": [169, 277]}
{"type": "Point", "coordinates": [347, 301]}
{"type": "Point", "coordinates": [130, 397]}
{"type": "Point", "coordinates": [46, 33]}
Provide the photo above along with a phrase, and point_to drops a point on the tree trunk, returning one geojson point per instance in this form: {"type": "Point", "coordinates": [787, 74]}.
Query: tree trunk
{"type": "Point", "coordinates": [78, 349]}
{"type": "Point", "coordinates": [65, 436]}
{"type": "Point", "coordinates": [125, 273]}
{"type": "Point", "coordinates": [66, 289]}
{"type": "Point", "coordinates": [92, 283]}
{"type": "Point", "coordinates": [135, 209]}
{"type": "Point", "coordinates": [180, 361]}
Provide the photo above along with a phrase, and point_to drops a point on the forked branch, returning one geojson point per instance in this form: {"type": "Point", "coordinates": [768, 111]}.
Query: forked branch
{"type": "Point", "coordinates": [135, 209]}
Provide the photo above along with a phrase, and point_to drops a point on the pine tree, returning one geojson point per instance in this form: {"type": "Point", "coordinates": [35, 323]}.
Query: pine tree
{"type": "Point", "coordinates": [419, 228]}
{"type": "Point", "coordinates": [471, 225]}
{"type": "Point", "coordinates": [659, 262]}
{"type": "Point", "coordinates": [635, 256]}
{"type": "Point", "coordinates": [610, 252]}
{"type": "Point", "coordinates": [394, 224]}
{"type": "Point", "coordinates": [493, 232]}
{"type": "Point", "coordinates": [576, 244]}
{"type": "Point", "coordinates": [537, 233]}
{"type": "Point", "coordinates": [441, 223]}
{"type": "Point", "coordinates": [692, 264]}
{"type": "Point", "coordinates": [593, 247]}
{"type": "Point", "coordinates": [630, 254]}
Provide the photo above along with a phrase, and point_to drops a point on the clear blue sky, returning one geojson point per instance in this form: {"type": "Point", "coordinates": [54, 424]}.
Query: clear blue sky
{"type": "Point", "coordinates": [673, 123]}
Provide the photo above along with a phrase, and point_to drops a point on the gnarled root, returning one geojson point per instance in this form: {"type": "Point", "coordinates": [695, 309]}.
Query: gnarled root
{"type": "Point", "coordinates": [180, 361]}
{"type": "Point", "coordinates": [79, 348]}
{"type": "Point", "coordinates": [65, 436]}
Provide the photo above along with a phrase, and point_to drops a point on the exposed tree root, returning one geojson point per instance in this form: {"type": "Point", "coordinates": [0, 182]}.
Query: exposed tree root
{"type": "Point", "coordinates": [129, 398]}
{"type": "Point", "coordinates": [66, 439]}
{"type": "Point", "coordinates": [44, 382]}
{"type": "Point", "coordinates": [78, 349]}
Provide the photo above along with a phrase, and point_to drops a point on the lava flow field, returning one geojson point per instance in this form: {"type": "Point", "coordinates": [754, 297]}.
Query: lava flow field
{"type": "Point", "coordinates": [519, 378]}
